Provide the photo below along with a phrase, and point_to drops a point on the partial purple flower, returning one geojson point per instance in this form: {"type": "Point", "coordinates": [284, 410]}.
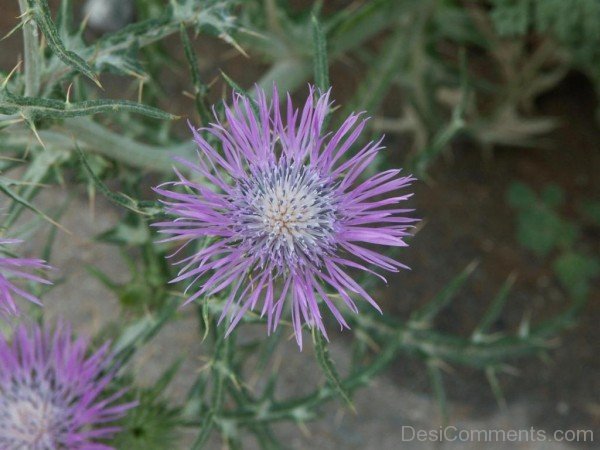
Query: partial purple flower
{"type": "Point", "coordinates": [52, 393]}
{"type": "Point", "coordinates": [282, 213]}
{"type": "Point", "coordinates": [12, 268]}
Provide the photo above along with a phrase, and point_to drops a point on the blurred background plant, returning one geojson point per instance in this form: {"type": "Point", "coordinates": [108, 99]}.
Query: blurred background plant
{"type": "Point", "coordinates": [90, 94]}
{"type": "Point", "coordinates": [541, 229]}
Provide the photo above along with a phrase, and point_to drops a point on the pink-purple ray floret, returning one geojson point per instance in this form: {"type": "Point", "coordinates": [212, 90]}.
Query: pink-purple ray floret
{"type": "Point", "coordinates": [52, 392]}
{"type": "Point", "coordinates": [12, 269]}
{"type": "Point", "coordinates": [282, 212]}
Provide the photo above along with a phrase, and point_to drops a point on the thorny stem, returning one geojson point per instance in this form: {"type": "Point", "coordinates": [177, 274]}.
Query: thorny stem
{"type": "Point", "coordinates": [32, 52]}
{"type": "Point", "coordinates": [397, 337]}
{"type": "Point", "coordinates": [219, 371]}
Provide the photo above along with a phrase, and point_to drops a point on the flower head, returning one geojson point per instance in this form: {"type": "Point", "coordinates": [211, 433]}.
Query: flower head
{"type": "Point", "coordinates": [283, 212]}
{"type": "Point", "coordinates": [51, 392]}
{"type": "Point", "coordinates": [11, 268]}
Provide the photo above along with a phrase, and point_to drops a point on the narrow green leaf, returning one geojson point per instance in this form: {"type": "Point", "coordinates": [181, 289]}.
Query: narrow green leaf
{"type": "Point", "coordinates": [23, 202]}
{"type": "Point", "coordinates": [141, 331]}
{"type": "Point", "coordinates": [102, 277]}
{"type": "Point", "coordinates": [165, 379]}
{"type": "Point", "coordinates": [47, 252]}
{"type": "Point", "coordinates": [494, 310]}
{"type": "Point", "coordinates": [194, 406]}
{"type": "Point", "coordinates": [39, 167]}
{"type": "Point", "coordinates": [236, 87]}
{"type": "Point", "coordinates": [200, 89]}
{"type": "Point", "coordinates": [43, 17]}
{"type": "Point", "coordinates": [205, 430]}
{"type": "Point", "coordinates": [380, 76]}
{"type": "Point", "coordinates": [321, 63]}
{"type": "Point", "coordinates": [117, 198]}
{"type": "Point", "coordinates": [444, 136]}
{"type": "Point", "coordinates": [34, 108]}
{"type": "Point", "coordinates": [219, 374]}
{"type": "Point", "coordinates": [204, 313]}
{"type": "Point", "coordinates": [437, 382]}
{"type": "Point", "coordinates": [425, 315]}
{"type": "Point", "coordinates": [233, 85]}
{"type": "Point", "coordinates": [328, 367]}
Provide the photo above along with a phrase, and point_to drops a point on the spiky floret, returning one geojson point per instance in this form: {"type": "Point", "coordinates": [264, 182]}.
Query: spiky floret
{"type": "Point", "coordinates": [12, 268]}
{"type": "Point", "coordinates": [52, 392]}
{"type": "Point", "coordinates": [284, 212]}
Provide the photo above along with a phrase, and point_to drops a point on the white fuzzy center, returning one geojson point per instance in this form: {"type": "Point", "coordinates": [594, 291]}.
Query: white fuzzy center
{"type": "Point", "coordinates": [28, 421]}
{"type": "Point", "coordinates": [288, 212]}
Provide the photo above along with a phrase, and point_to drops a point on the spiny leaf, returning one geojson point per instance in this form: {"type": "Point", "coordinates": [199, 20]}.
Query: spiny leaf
{"type": "Point", "coordinates": [43, 17]}
{"type": "Point", "coordinates": [233, 85]}
{"type": "Point", "coordinates": [36, 108]}
{"type": "Point", "coordinates": [200, 89]}
{"type": "Point", "coordinates": [118, 198]}
{"type": "Point", "coordinates": [241, 90]}
{"type": "Point", "coordinates": [112, 48]}
{"type": "Point", "coordinates": [219, 374]}
{"type": "Point", "coordinates": [425, 315]}
{"type": "Point", "coordinates": [20, 200]}
{"type": "Point", "coordinates": [38, 168]}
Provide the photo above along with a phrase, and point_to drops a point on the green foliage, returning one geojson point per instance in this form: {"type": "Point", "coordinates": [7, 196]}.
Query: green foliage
{"type": "Point", "coordinates": [153, 423]}
{"type": "Point", "coordinates": [541, 229]}
{"type": "Point", "coordinates": [321, 62]}
{"type": "Point", "coordinates": [425, 315]}
{"type": "Point", "coordinates": [512, 17]}
{"type": "Point", "coordinates": [55, 123]}
{"type": "Point", "coordinates": [574, 23]}
{"type": "Point", "coordinates": [328, 366]}
{"type": "Point", "coordinates": [591, 210]}
{"type": "Point", "coordinates": [41, 14]}
{"type": "Point", "coordinates": [575, 271]}
{"type": "Point", "coordinates": [38, 108]}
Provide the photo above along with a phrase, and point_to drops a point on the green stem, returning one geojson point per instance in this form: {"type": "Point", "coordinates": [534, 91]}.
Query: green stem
{"type": "Point", "coordinates": [92, 136]}
{"type": "Point", "coordinates": [289, 73]}
{"type": "Point", "coordinates": [300, 409]}
{"type": "Point", "coordinates": [423, 342]}
{"type": "Point", "coordinates": [219, 373]}
{"type": "Point", "coordinates": [31, 52]}
{"type": "Point", "coordinates": [103, 141]}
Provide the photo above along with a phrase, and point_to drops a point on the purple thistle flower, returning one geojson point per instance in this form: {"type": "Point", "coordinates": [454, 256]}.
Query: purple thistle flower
{"type": "Point", "coordinates": [11, 268]}
{"type": "Point", "coordinates": [284, 212]}
{"type": "Point", "coordinates": [51, 392]}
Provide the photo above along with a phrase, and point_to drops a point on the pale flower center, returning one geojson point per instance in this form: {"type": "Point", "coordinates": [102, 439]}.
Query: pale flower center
{"type": "Point", "coordinates": [28, 421]}
{"type": "Point", "coordinates": [288, 212]}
